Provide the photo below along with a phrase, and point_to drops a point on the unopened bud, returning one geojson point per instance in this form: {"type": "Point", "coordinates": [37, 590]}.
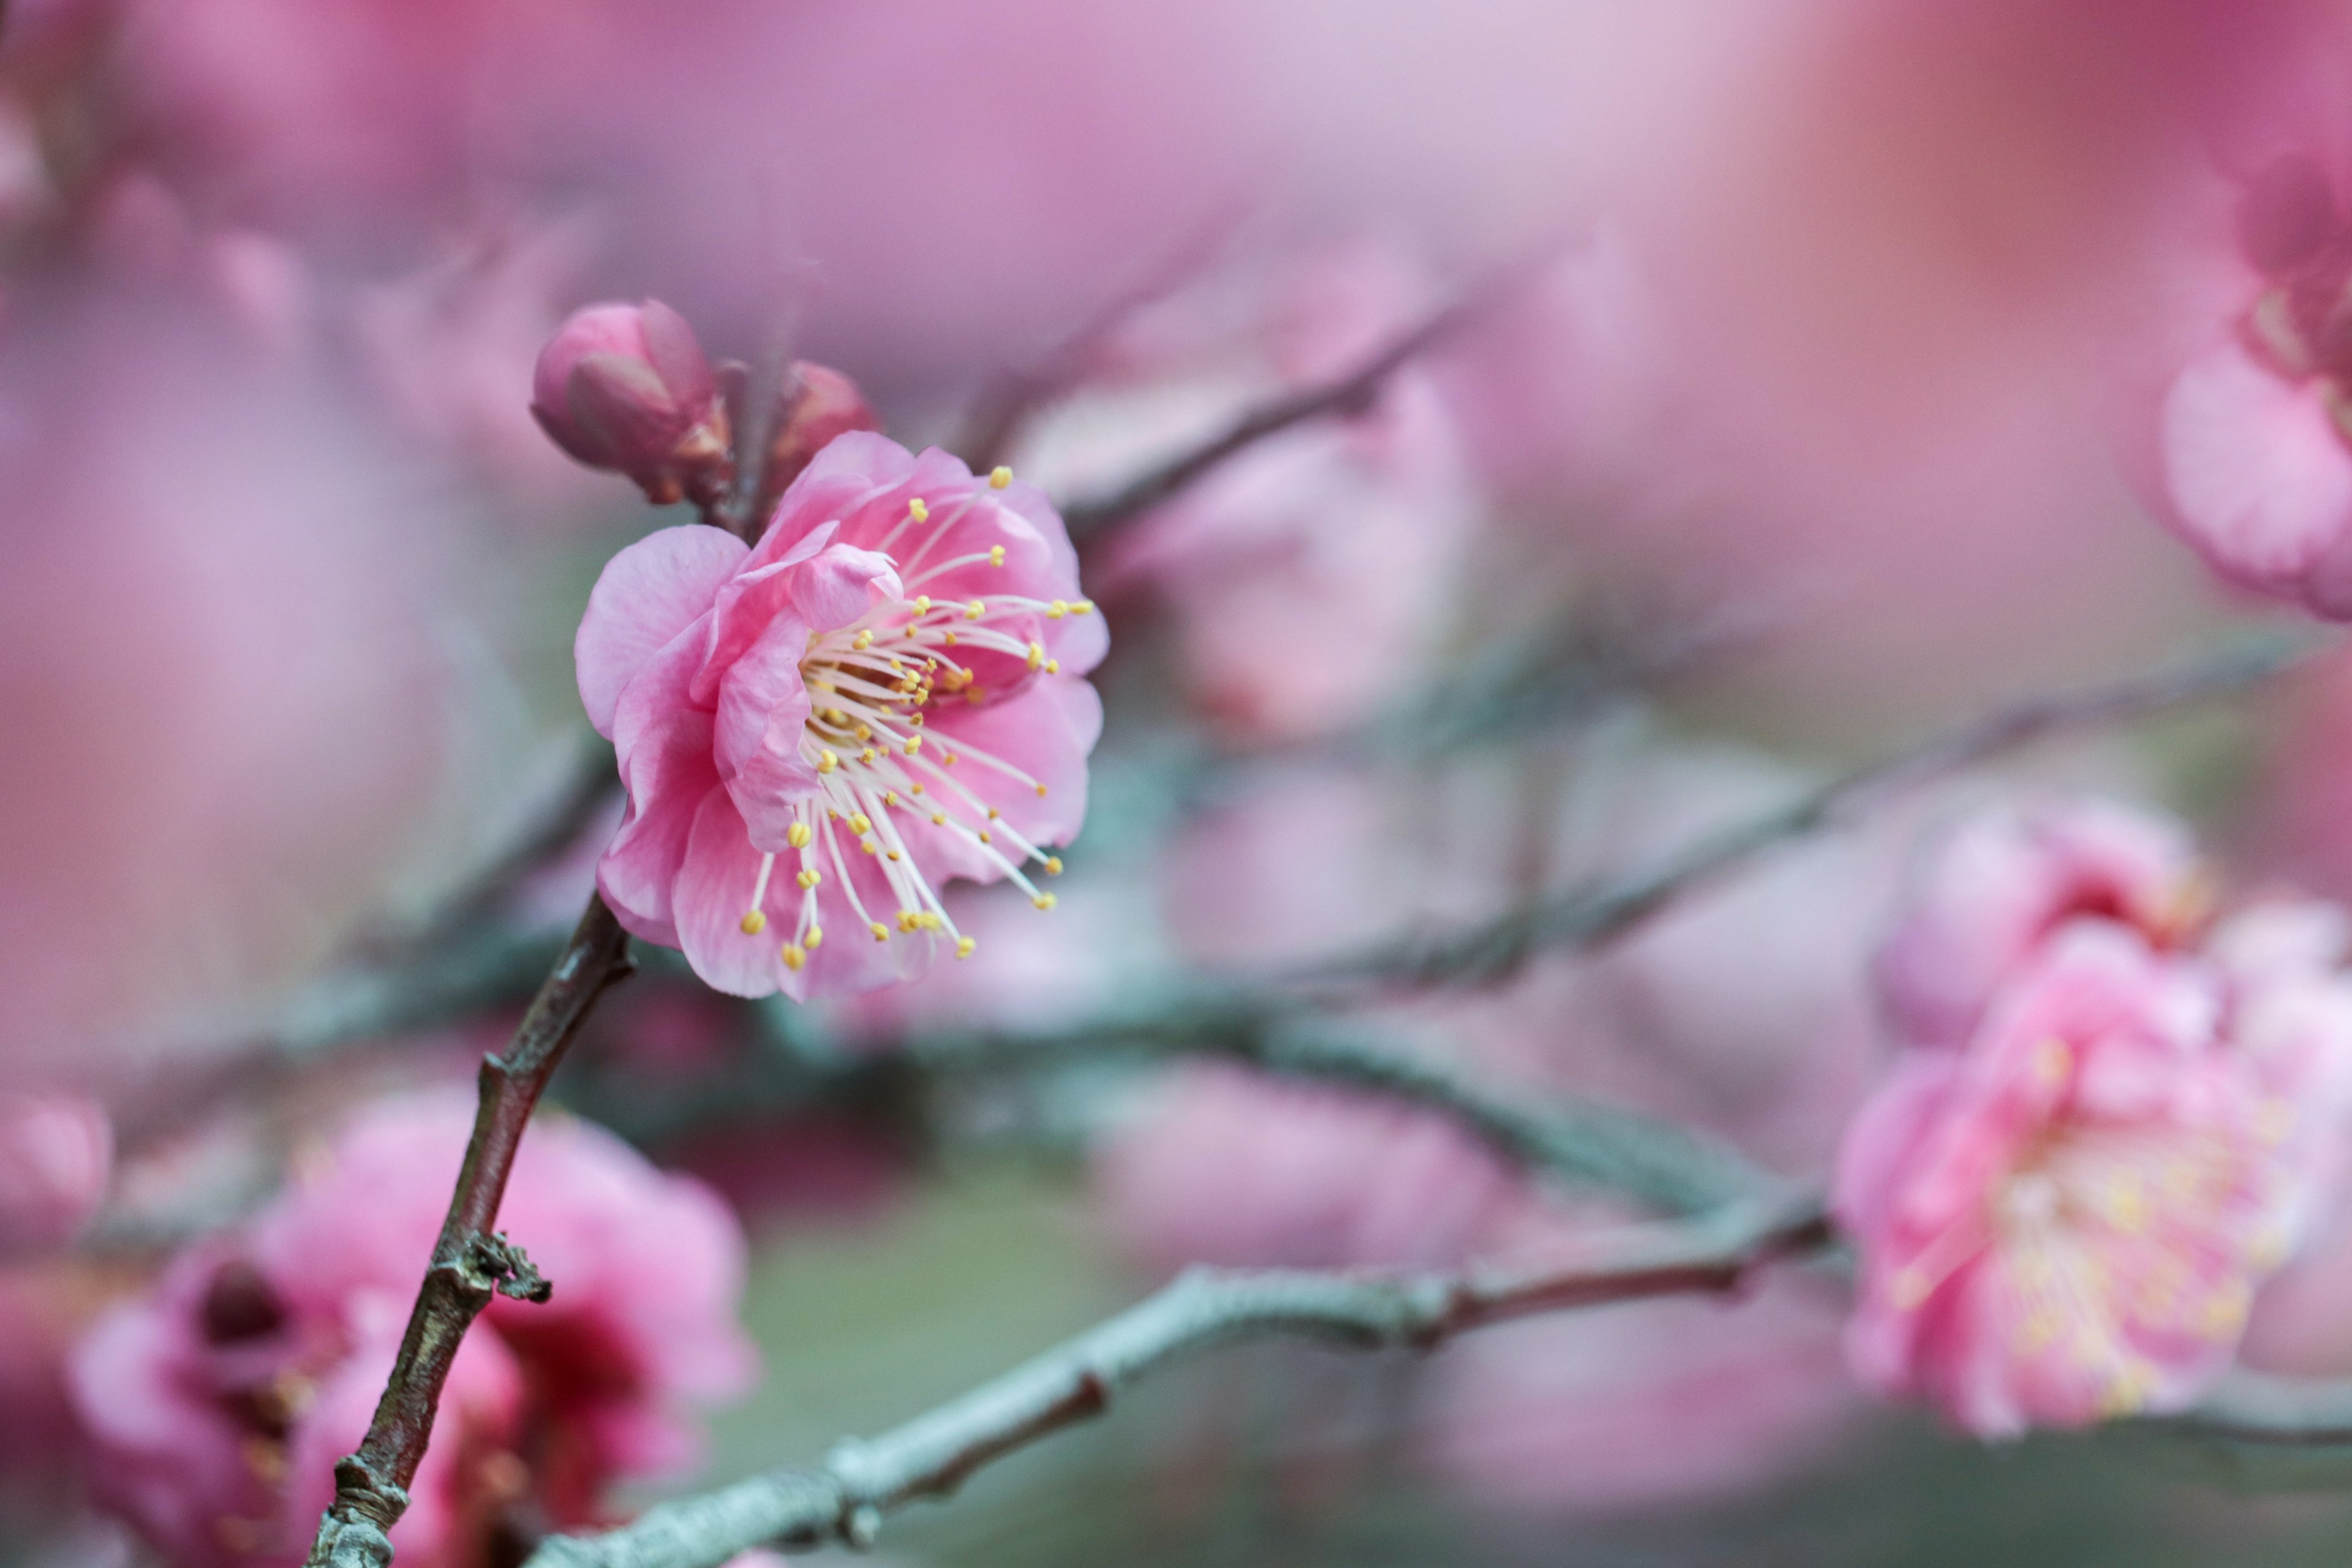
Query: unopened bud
{"type": "Point", "coordinates": [626, 387]}
{"type": "Point", "coordinates": [819, 403]}
{"type": "Point", "coordinates": [57, 1156]}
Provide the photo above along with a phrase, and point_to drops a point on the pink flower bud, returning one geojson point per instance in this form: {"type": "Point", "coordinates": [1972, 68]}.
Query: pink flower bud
{"type": "Point", "coordinates": [827, 403]}
{"type": "Point", "coordinates": [626, 387]}
{"type": "Point", "coordinates": [56, 1152]}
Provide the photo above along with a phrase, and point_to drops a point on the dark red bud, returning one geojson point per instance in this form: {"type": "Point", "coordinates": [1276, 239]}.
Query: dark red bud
{"type": "Point", "coordinates": [240, 1304]}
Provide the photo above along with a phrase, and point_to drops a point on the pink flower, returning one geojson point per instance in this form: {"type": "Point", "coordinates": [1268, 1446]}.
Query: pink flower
{"type": "Point", "coordinates": [218, 1404]}
{"type": "Point", "coordinates": [56, 1154]}
{"type": "Point", "coordinates": [2254, 435]}
{"type": "Point", "coordinates": [885, 692]}
{"type": "Point", "coordinates": [626, 387]}
{"type": "Point", "coordinates": [2003, 881]}
{"type": "Point", "coordinates": [2066, 1220]}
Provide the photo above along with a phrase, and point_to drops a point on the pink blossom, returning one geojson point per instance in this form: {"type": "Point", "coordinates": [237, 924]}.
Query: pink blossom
{"type": "Point", "coordinates": [626, 387]}
{"type": "Point", "coordinates": [2067, 1219]}
{"type": "Point", "coordinates": [217, 1403]}
{"type": "Point", "coordinates": [883, 694]}
{"type": "Point", "coordinates": [2002, 881]}
{"type": "Point", "coordinates": [56, 1154]}
{"type": "Point", "coordinates": [2254, 438]}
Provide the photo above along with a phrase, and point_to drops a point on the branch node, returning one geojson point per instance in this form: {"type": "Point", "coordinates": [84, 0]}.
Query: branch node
{"type": "Point", "coordinates": [502, 1266]}
{"type": "Point", "coordinates": [863, 1527]}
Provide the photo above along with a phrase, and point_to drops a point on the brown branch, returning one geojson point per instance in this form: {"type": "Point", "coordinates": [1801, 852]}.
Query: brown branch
{"type": "Point", "coordinates": [847, 1497]}
{"type": "Point", "coordinates": [470, 1261]}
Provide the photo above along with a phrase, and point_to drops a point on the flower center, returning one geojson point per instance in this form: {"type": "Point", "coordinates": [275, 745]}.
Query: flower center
{"type": "Point", "coordinates": [883, 778]}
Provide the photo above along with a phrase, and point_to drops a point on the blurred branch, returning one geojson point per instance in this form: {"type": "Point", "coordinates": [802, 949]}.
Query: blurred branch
{"type": "Point", "coordinates": [1588, 916]}
{"type": "Point", "coordinates": [1578, 1142]}
{"type": "Point", "coordinates": [846, 1497]}
{"type": "Point", "coordinates": [471, 1263]}
{"type": "Point", "coordinates": [1006, 404]}
{"type": "Point", "coordinates": [2257, 1408]}
{"type": "Point", "coordinates": [1351, 392]}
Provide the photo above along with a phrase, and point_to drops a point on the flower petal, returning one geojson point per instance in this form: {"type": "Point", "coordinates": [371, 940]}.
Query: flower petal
{"type": "Point", "coordinates": [646, 596]}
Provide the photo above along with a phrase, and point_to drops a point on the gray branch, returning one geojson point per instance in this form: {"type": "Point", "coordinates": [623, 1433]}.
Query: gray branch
{"type": "Point", "coordinates": [846, 1497]}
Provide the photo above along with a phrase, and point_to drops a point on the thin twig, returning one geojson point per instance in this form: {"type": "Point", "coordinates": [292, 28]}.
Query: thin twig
{"type": "Point", "coordinates": [847, 1497]}
{"type": "Point", "coordinates": [1350, 392]}
{"type": "Point", "coordinates": [1006, 404]}
{"type": "Point", "coordinates": [470, 1261]}
{"type": "Point", "coordinates": [1588, 916]}
{"type": "Point", "coordinates": [2256, 1408]}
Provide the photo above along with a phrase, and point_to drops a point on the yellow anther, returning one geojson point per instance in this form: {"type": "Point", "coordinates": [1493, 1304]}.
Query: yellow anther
{"type": "Point", "coordinates": [826, 762]}
{"type": "Point", "coordinates": [881, 932]}
{"type": "Point", "coordinates": [798, 836]}
{"type": "Point", "coordinates": [996, 555]}
{"type": "Point", "coordinates": [794, 955]}
{"type": "Point", "coordinates": [922, 604]}
{"type": "Point", "coordinates": [916, 788]}
{"type": "Point", "coordinates": [907, 920]}
{"type": "Point", "coordinates": [1053, 667]}
{"type": "Point", "coordinates": [1036, 656]}
{"type": "Point", "coordinates": [917, 510]}
{"type": "Point", "coordinates": [948, 759]}
{"type": "Point", "coordinates": [994, 814]}
{"type": "Point", "coordinates": [1041, 791]}
{"type": "Point", "coordinates": [949, 638]}
{"type": "Point", "coordinates": [866, 845]}
{"type": "Point", "coordinates": [1044, 900]}
{"type": "Point", "coordinates": [1053, 864]}
{"type": "Point", "coordinates": [890, 854]}
{"type": "Point", "coordinates": [823, 685]}
{"type": "Point", "coordinates": [914, 743]}
{"type": "Point", "coordinates": [1000, 478]}
{"type": "Point", "coordinates": [1082, 607]}
{"type": "Point", "coordinates": [984, 838]}
{"type": "Point", "coordinates": [753, 922]}
{"type": "Point", "coordinates": [815, 936]}
{"type": "Point", "coordinates": [810, 878]}
{"type": "Point", "coordinates": [974, 610]}
{"type": "Point", "coordinates": [964, 945]}
{"type": "Point", "coordinates": [867, 755]}
{"type": "Point", "coordinates": [864, 731]}
{"type": "Point", "coordinates": [862, 641]}
{"type": "Point", "coordinates": [972, 694]}
{"type": "Point", "coordinates": [939, 819]}
{"type": "Point", "coordinates": [860, 824]}
{"type": "Point", "coordinates": [1057, 609]}
{"type": "Point", "coordinates": [889, 797]}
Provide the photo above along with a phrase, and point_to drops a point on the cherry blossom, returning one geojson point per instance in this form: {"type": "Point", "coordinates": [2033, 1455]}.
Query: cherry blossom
{"type": "Point", "coordinates": [885, 693]}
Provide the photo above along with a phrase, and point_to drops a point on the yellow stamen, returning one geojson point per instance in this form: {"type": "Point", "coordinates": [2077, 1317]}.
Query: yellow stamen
{"type": "Point", "coordinates": [811, 877]}
{"type": "Point", "coordinates": [794, 955]}
{"type": "Point", "coordinates": [797, 836]}
{"type": "Point", "coordinates": [826, 762]}
{"type": "Point", "coordinates": [753, 922]}
{"type": "Point", "coordinates": [964, 945]}
{"type": "Point", "coordinates": [1053, 864]}
{"type": "Point", "coordinates": [1057, 609]}
{"type": "Point", "coordinates": [881, 932]}
{"type": "Point", "coordinates": [1044, 900]}
{"type": "Point", "coordinates": [1000, 478]}
{"type": "Point", "coordinates": [974, 610]}
{"type": "Point", "coordinates": [860, 824]}
{"type": "Point", "coordinates": [996, 555]}
{"type": "Point", "coordinates": [917, 510]}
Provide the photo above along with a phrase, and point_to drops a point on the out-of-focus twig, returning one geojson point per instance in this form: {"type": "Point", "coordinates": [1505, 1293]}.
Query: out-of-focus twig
{"type": "Point", "coordinates": [847, 1497]}
{"type": "Point", "coordinates": [470, 1262]}
{"type": "Point", "coordinates": [1588, 917]}
{"type": "Point", "coordinates": [1347, 393]}
{"type": "Point", "coordinates": [2267, 1411]}
{"type": "Point", "coordinates": [1008, 403]}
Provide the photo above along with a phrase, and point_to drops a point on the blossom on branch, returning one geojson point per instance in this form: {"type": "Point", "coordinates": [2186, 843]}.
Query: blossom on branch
{"type": "Point", "coordinates": [216, 1406]}
{"type": "Point", "coordinates": [626, 387]}
{"type": "Point", "coordinates": [887, 691]}
{"type": "Point", "coordinates": [2066, 1220]}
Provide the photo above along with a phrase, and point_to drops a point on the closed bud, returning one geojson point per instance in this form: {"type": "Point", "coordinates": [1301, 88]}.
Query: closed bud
{"type": "Point", "coordinates": [626, 387]}
{"type": "Point", "coordinates": [820, 403]}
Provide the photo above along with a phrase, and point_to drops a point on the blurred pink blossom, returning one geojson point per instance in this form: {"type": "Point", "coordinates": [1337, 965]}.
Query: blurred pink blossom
{"type": "Point", "coordinates": [2066, 1220]}
{"type": "Point", "coordinates": [56, 1157]}
{"type": "Point", "coordinates": [217, 1405]}
{"type": "Point", "coordinates": [886, 667]}
{"type": "Point", "coordinates": [2002, 881]}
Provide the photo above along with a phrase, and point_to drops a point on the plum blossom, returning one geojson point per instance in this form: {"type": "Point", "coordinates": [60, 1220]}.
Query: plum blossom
{"type": "Point", "coordinates": [57, 1154]}
{"type": "Point", "coordinates": [887, 691]}
{"type": "Point", "coordinates": [2001, 881]}
{"type": "Point", "coordinates": [217, 1405]}
{"type": "Point", "coordinates": [2254, 437]}
{"type": "Point", "coordinates": [2066, 1220]}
